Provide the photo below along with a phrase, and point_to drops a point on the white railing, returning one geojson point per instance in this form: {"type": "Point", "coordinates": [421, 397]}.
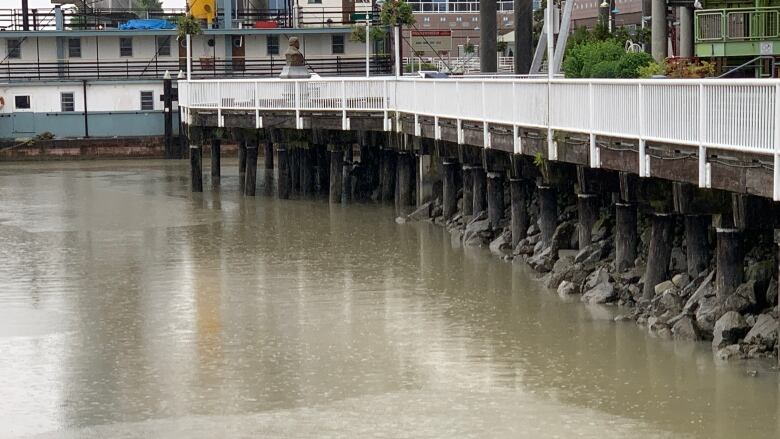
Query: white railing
{"type": "Point", "coordinates": [736, 115]}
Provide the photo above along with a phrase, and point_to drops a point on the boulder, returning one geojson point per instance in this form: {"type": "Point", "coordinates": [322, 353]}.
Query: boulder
{"type": "Point", "coordinates": [729, 329]}
{"type": "Point", "coordinates": [601, 228]}
{"type": "Point", "coordinates": [681, 280]}
{"type": "Point", "coordinates": [771, 293]}
{"type": "Point", "coordinates": [743, 299]}
{"type": "Point", "coordinates": [705, 289]}
{"type": "Point", "coordinates": [422, 213]}
{"type": "Point", "coordinates": [562, 236]}
{"type": "Point", "coordinates": [685, 329]}
{"type": "Point", "coordinates": [670, 301]}
{"type": "Point", "coordinates": [663, 286]}
{"type": "Point", "coordinates": [761, 272]}
{"type": "Point", "coordinates": [658, 328]}
{"type": "Point", "coordinates": [764, 332]}
{"type": "Point", "coordinates": [601, 293]}
{"type": "Point", "coordinates": [502, 244]}
{"type": "Point", "coordinates": [533, 229]}
{"type": "Point", "coordinates": [567, 288]}
{"type": "Point", "coordinates": [708, 312]}
{"type": "Point", "coordinates": [475, 230]}
{"type": "Point", "coordinates": [542, 261]}
{"type": "Point", "coordinates": [560, 271]}
{"type": "Point", "coordinates": [728, 352]}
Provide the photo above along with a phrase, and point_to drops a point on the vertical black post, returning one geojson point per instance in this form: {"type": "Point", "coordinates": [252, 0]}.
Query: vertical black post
{"type": "Point", "coordinates": [336, 175]}
{"type": "Point", "coordinates": [25, 15]}
{"type": "Point", "coordinates": [242, 145]}
{"type": "Point", "coordinates": [250, 185]}
{"type": "Point", "coordinates": [216, 147]}
{"type": "Point", "coordinates": [518, 197]}
{"type": "Point", "coordinates": [168, 116]}
{"type": "Point", "coordinates": [196, 168]}
{"type": "Point", "coordinates": [488, 34]}
{"type": "Point", "coordinates": [480, 187]}
{"type": "Point", "coordinates": [86, 110]}
{"type": "Point", "coordinates": [659, 253]}
{"type": "Point", "coordinates": [307, 172]}
{"type": "Point", "coordinates": [449, 191]}
{"type": "Point", "coordinates": [295, 169]}
{"type": "Point", "coordinates": [283, 173]}
{"type": "Point", "coordinates": [495, 198]}
{"type": "Point", "coordinates": [697, 247]}
{"type": "Point", "coordinates": [524, 17]}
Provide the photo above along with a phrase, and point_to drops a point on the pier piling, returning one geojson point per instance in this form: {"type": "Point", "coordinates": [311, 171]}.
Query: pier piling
{"type": "Point", "coordinates": [625, 235]}
{"type": "Point", "coordinates": [449, 191]}
{"type": "Point", "coordinates": [587, 213]}
{"type": "Point", "coordinates": [336, 175]}
{"type": "Point", "coordinates": [495, 198]}
{"type": "Point", "coordinates": [216, 146]}
{"type": "Point", "coordinates": [282, 173]}
{"type": "Point", "coordinates": [250, 182]}
{"type": "Point", "coordinates": [480, 188]}
{"type": "Point", "coordinates": [548, 213]}
{"type": "Point", "coordinates": [659, 252]}
{"type": "Point", "coordinates": [196, 168]}
{"type": "Point", "coordinates": [519, 203]}
{"type": "Point", "coordinates": [730, 259]}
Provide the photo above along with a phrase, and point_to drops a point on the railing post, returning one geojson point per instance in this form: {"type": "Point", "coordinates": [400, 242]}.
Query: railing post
{"type": "Point", "coordinates": [298, 121]}
{"type": "Point", "coordinates": [344, 120]}
{"type": "Point", "coordinates": [642, 154]}
{"type": "Point", "coordinates": [776, 139]}
{"type": "Point", "coordinates": [702, 149]}
{"type": "Point", "coordinates": [485, 126]}
{"type": "Point", "coordinates": [594, 160]}
{"type": "Point", "coordinates": [220, 122]}
{"type": "Point", "coordinates": [386, 104]}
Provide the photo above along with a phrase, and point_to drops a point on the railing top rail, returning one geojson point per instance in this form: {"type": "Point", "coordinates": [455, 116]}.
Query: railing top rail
{"type": "Point", "coordinates": [595, 81]}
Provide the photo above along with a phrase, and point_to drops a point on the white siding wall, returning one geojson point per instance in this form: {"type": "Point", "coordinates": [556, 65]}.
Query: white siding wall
{"type": "Point", "coordinates": [45, 98]}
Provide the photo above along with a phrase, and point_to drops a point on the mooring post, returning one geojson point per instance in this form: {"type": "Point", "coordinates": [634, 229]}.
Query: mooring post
{"type": "Point", "coordinates": [495, 198]}
{"type": "Point", "coordinates": [250, 185]}
{"type": "Point", "coordinates": [480, 188]}
{"type": "Point", "coordinates": [730, 260]}
{"type": "Point", "coordinates": [548, 213]}
{"type": "Point", "coordinates": [449, 191]}
{"type": "Point", "coordinates": [216, 146]}
{"type": "Point", "coordinates": [336, 175]}
{"type": "Point", "coordinates": [659, 253]}
{"type": "Point", "coordinates": [268, 161]}
{"type": "Point", "coordinates": [196, 168]}
{"type": "Point", "coordinates": [307, 172]}
{"type": "Point", "coordinates": [625, 235]}
{"type": "Point", "coordinates": [468, 193]}
{"type": "Point", "coordinates": [404, 182]}
{"type": "Point", "coordinates": [697, 252]}
{"type": "Point", "coordinates": [282, 172]}
{"type": "Point", "coordinates": [346, 175]}
{"type": "Point", "coordinates": [518, 196]}
{"type": "Point", "coordinates": [241, 165]}
{"type": "Point", "coordinates": [587, 213]}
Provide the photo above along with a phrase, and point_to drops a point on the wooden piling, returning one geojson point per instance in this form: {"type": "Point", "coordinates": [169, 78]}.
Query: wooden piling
{"type": "Point", "coordinates": [241, 165]}
{"type": "Point", "coordinates": [730, 259]}
{"type": "Point", "coordinates": [216, 146]}
{"type": "Point", "coordinates": [307, 172]}
{"type": "Point", "coordinates": [388, 175]}
{"type": "Point", "coordinates": [404, 182]}
{"type": "Point", "coordinates": [336, 175]}
{"type": "Point", "coordinates": [495, 198]}
{"type": "Point", "coordinates": [346, 175]}
{"type": "Point", "coordinates": [697, 252]}
{"type": "Point", "coordinates": [250, 182]}
{"type": "Point", "coordinates": [625, 235]}
{"type": "Point", "coordinates": [282, 173]}
{"type": "Point", "coordinates": [659, 253]}
{"type": "Point", "coordinates": [480, 188]}
{"type": "Point", "coordinates": [295, 169]}
{"type": "Point", "coordinates": [548, 213]}
{"type": "Point", "coordinates": [468, 192]}
{"type": "Point", "coordinates": [196, 168]}
{"type": "Point", "coordinates": [587, 213]}
{"type": "Point", "coordinates": [449, 191]}
{"type": "Point", "coordinates": [519, 204]}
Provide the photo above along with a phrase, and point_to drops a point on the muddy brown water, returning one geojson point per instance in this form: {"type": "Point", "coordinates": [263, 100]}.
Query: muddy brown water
{"type": "Point", "coordinates": [131, 308]}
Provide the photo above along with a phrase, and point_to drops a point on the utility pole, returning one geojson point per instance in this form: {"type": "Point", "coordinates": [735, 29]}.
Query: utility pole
{"type": "Point", "coordinates": [488, 35]}
{"type": "Point", "coordinates": [524, 18]}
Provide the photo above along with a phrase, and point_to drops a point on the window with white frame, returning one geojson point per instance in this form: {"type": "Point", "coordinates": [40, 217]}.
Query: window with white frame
{"type": "Point", "coordinates": [337, 44]}
{"type": "Point", "coordinates": [147, 101]}
{"type": "Point", "coordinates": [74, 47]}
{"type": "Point", "coordinates": [22, 102]}
{"type": "Point", "coordinates": [125, 46]}
{"type": "Point", "coordinates": [67, 102]}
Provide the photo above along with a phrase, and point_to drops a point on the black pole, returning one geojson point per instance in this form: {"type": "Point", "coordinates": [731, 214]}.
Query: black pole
{"type": "Point", "coordinates": [86, 117]}
{"type": "Point", "coordinates": [168, 113]}
{"type": "Point", "coordinates": [524, 36]}
{"type": "Point", "coordinates": [25, 15]}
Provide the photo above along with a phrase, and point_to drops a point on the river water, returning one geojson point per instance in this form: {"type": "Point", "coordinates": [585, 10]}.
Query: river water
{"type": "Point", "coordinates": [131, 308]}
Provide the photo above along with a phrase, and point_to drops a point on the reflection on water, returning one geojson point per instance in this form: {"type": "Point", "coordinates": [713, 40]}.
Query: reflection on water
{"type": "Point", "coordinates": [130, 308]}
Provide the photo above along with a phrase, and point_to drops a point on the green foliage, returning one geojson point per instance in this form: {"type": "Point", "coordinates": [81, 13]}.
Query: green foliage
{"type": "Point", "coordinates": [142, 6]}
{"type": "Point", "coordinates": [416, 67]}
{"type": "Point", "coordinates": [593, 58]}
{"type": "Point", "coordinates": [651, 69]}
{"type": "Point", "coordinates": [538, 160]}
{"type": "Point", "coordinates": [358, 34]}
{"type": "Point", "coordinates": [396, 13]}
{"type": "Point", "coordinates": [501, 46]}
{"type": "Point", "coordinates": [187, 25]}
{"type": "Point", "coordinates": [469, 47]}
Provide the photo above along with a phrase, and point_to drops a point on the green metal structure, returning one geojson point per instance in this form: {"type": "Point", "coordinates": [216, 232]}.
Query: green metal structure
{"type": "Point", "coordinates": [737, 31]}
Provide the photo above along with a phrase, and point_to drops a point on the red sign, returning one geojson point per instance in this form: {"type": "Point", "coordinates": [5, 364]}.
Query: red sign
{"type": "Point", "coordinates": [432, 33]}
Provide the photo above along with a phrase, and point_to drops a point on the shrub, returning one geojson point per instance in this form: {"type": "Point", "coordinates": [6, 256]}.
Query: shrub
{"type": "Point", "coordinates": [603, 59]}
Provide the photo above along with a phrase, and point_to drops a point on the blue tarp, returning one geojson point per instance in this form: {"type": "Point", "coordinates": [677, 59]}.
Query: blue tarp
{"type": "Point", "coordinates": [147, 25]}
